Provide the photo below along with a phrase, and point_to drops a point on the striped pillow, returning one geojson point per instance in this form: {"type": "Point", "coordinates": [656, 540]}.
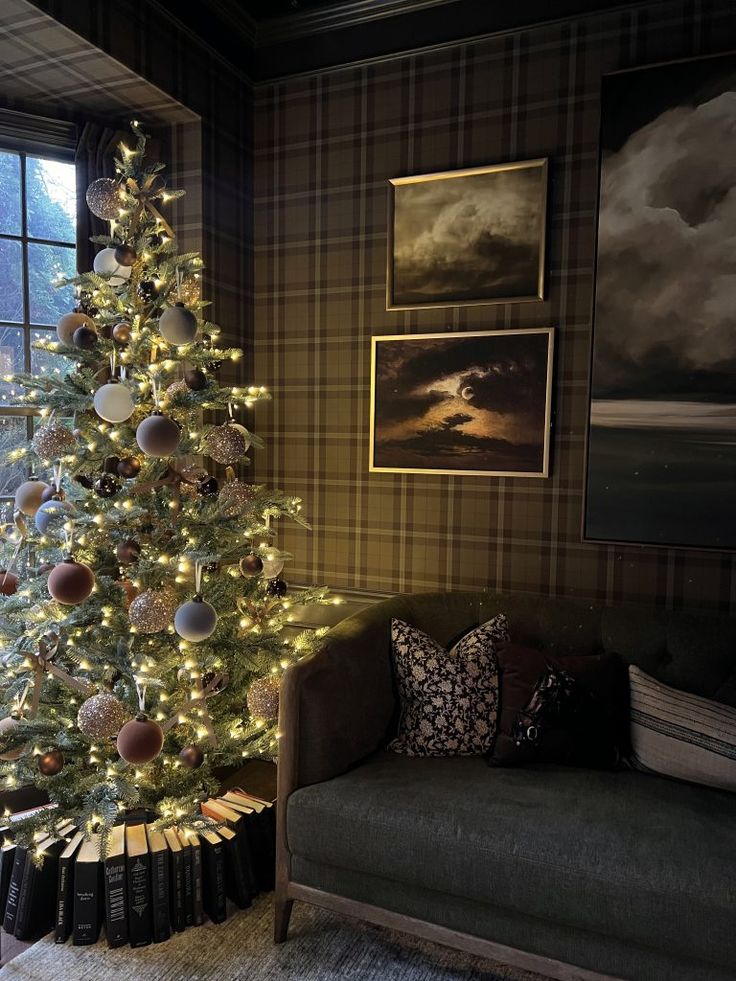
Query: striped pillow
{"type": "Point", "coordinates": [680, 735]}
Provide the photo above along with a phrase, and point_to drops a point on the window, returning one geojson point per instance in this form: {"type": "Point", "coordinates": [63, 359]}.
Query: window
{"type": "Point", "coordinates": [37, 248]}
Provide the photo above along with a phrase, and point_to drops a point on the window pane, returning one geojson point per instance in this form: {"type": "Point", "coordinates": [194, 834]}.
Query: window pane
{"type": "Point", "coordinates": [11, 362]}
{"type": "Point", "coordinates": [11, 281]}
{"type": "Point", "coordinates": [12, 436]}
{"type": "Point", "coordinates": [10, 194]}
{"type": "Point", "coordinates": [51, 199]}
{"type": "Point", "coordinates": [45, 362]}
{"type": "Point", "coordinates": [46, 265]}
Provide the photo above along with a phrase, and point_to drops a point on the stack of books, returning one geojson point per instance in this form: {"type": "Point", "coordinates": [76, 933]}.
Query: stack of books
{"type": "Point", "coordinates": [150, 884]}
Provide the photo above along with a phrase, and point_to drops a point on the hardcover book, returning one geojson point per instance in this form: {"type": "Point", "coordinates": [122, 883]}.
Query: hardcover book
{"type": "Point", "coordinates": [140, 918]}
{"type": "Point", "coordinates": [116, 906]}
{"type": "Point", "coordinates": [88, 893]}
{"type": "Point", "coordinates": [16, 881]}
{"type": "Point", "coordinates": [262, 828]}
{"type": "Point", "coordinates": [213, 876]}
{"type": "Point", "coordinates": [159, 851]}
{"type": "Point", "coordinates": [186, 850]}
{"type": "Point", "coordinates": [35, 915]}
{"type": "Point", "coordinates": [65, 890]}
{"type": "Point", "coordinates": [7, 857]}
{"type": "Point", "coordinates": [196, 846]}
{"type": "Point", "coordinates": [176, 890]}
{"type": "Point", "coordinates": [244, 872]}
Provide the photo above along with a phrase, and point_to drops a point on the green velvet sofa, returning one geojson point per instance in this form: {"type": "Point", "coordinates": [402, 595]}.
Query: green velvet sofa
{"type": "Point", "coordinates": [591, 874]}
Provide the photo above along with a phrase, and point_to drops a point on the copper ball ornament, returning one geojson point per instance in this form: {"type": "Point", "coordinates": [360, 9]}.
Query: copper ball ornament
{"type": "Point", "coordinates": [152, 610]}
{"type": "Point", "coordinates": [178, 325]}
{"type": "Point", "coordinates": [28, 496]}
{"type": "Point", "coordinates": [158, 435]}
{"type": "Point", "coordinates": [192, 757]}
{"type": "Point", "coordinates": [8, 583]}
{"type": "Point", "coordinates": [50, 763]}
{"type": "Point", "coordinates": [263, 698]}
{"type": "Point", "coordinates": [70, 582]}
{"type": "Point", "coordinates": [103, 198]}
{"type": "Point", "coordinates": [129, 589]}
{"type": "Point", "coordinates": [251, 565]}
{"type": "Point", "coordinates": [195, 379]}
{"type": "Point", "coordinates": [140, 741]}
{"type": "Point", "coordinates": [129, 467]}
{"type": "Point", "coordinates": [85, 337]}
{"type": "Point", "coordinates": [69, 322]}
{"type": "Point", "coordinates": [224, 444]}
{"type": "Point", "coordinates": [121, 333]}
{"type": "Point", "coordinates": [128, 552]}
{"type": "Point", "coordinates": [101, 716]}
{"type": "Point", "coordinates": [125, 255]}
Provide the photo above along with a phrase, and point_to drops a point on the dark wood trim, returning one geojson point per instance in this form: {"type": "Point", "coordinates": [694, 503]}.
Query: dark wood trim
{"type": "Point", "coordinates": [477, 946]}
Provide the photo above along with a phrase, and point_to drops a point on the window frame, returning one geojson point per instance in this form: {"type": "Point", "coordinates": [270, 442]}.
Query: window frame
{"type": "Point", "coordinates": [24, 149]}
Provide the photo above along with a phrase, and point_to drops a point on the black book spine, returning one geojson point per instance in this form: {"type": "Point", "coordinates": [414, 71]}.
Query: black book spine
{"type": "Point", "coordinates": [16, 881]}
{"type": "Point", "coordinates": [116, 911]}
{"type": "Point", "coordinates": [236, 884]}
{"type": "Point", "coordinates": [178, 910]}
{"type": "Point", "coordinates": [87, 896]}
{"type": "Point", "coordinates": [213, 881]}
{"type": "Point", "coordinates": [36, 910]}
{"type": "Point", "coordinates": [140, 920]}
{"type": "Point", "coordinates": [197, 884]}
{"type": "Point", "coordinates": [160, 895]}
{"type": "Point", "coordinates": [188, 886]}
{"type": "Point", "coordinates": [64, 900]}
{"type": "Point", "coordinates": [246, 859]}
{"type": "Point", "coordinates": [25, 899]}
{"type": "Point", "coordinates": [7, 857]}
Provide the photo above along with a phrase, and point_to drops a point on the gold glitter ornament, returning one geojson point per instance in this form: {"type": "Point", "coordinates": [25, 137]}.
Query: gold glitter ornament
{"type": "Point", "coordinates": [176, 388]}
{"type": "Point", "coordinates": [101, 716]}
{"type": "Point", "coordinates": [52, 441]}
{"type": "Point", "coordinates": [103, 198]}
{"type": "Point", "coordinates": [152, 610]}
{"type": "Point", "coordinates": [234, 498]}
{"type": "Point", "coordinates": [263, 698]}
{"type": "Point", "coordinates": [225, 444]}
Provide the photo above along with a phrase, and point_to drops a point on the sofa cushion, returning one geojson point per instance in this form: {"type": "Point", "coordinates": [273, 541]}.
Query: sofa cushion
{"type": "Point", "coordinates": [626, 854]}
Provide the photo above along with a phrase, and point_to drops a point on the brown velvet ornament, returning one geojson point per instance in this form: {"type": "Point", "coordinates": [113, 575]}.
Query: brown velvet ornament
{"type": "Point", "coordinates": [195, 379]}
{"type": "Point", "coordinates": [140, 740]}
{"type": "Point", "coordinates": [8, 583]}
{"type": "Point", "coordinates": [129, 467]}
{"type": "Point", "coordinates": [70, 582]}
{"type": "Point", "coordinates": [128, 552]}
{"type": "Point", "coordinates": [251, 565]}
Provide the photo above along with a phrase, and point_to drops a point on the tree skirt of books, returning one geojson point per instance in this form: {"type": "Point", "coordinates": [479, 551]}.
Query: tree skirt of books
{"type": "Point", "coordinates": [149, 883]}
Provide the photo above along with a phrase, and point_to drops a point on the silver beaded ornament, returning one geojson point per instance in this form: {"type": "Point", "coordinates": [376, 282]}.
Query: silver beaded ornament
{"type": "Point", "coordinates": [103, 198]}
{"type": "Point", "coordinates": [52, 441]}
{"type": "Point", "coordinates": [224, 444]}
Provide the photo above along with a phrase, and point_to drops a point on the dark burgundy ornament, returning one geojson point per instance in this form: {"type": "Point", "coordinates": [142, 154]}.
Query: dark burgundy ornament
{"type": "Point", "coordinates": [128, 467]}
{"type": "Point", "coordinates": [85, 337]}
{"type": "Point", "coordinates": [140, 740]}
{"type": "Point", "coordinates": [8, 582]}
{"type": "Point", "coordinates": [276, 587]}
{"type": "Point", "coordinates": [208, 487]}
{"type": "Point", "coordinates": [111, 464]}
{"type": "Point", "coordinates": [251, 565]}
{"type": "Point", "coordinates": [84, 481]}
{"type": "Point", "coordinates": [51, 763]}
{"type": "Point", "coordinates": [128, 552]}
{"type": "Point", "coordinates": [192, 757]}
{"type": "Point", "coordinates": [52, 494]}
{"type": "Point", "coordinates": [147, 290]}
{"type": "Point", "coordinates": [106, 486]}
{"type": "Point", "coordinates": [125, 255]}
{"type": "Point", "coordinates": [195, 379]}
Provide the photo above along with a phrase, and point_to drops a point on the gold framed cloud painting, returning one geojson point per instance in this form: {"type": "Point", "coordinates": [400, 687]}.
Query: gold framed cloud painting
{"type": "Point", "coordinates": [467, 237]}
{"type": "Point", "coordinates": [462, 403]}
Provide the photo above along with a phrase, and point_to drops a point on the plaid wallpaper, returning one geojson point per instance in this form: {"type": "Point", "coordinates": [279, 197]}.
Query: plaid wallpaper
{"type": "Point", "coordinates": [325, 146]}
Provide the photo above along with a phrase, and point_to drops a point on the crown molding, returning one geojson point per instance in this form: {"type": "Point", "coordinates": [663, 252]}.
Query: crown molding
{"type": "Point", "coordinates": [348, 14]}
{"type": "Point", "coordinates": [232, 13]}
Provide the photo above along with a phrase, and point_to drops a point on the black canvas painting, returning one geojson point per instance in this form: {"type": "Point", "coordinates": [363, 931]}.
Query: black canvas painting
{"type": "Point", "coordinates": [462, 403]}
{"type": "Point", "coordinates": [468, 236]}
{"type": "Point", "coordinates": [662, 435]}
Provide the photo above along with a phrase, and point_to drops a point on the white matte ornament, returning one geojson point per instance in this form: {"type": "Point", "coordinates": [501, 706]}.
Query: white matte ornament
{"type": "Point", "coordinates": [178, 325]}
{"type": "Point", "coordinates": [113, 402]}
{"type": "Point", "coordinates": [106, 264]}
{"type": "Point", "coordinates": [195, 621]}
{"type": "Point", "coordinates": [28, 496]}
{"type": "Point", "coordinates": [69, 323]}
{"type": "Point", "coordinates": [103, 198]}
{"type": "Point", "coordinates": [158, 436]}
{"type": "Point", "coordinates": [272, 565]}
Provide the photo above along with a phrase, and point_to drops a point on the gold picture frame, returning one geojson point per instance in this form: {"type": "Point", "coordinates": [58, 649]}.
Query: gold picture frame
{"type": "Point", "coordinates": [454, 236]}
{"type": "Point", "coordinates": [507, 384]}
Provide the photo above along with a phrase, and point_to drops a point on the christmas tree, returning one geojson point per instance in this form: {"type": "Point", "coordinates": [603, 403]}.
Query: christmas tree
{"type": "Point", "coordinates": [143, 614]}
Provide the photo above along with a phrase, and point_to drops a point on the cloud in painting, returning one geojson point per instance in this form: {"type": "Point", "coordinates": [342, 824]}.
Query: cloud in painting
{"type": "Point", "coordinates": [425, 419]}
{"type": "Point", "coordinates": [474, 237]}
{"type": "Point", "coordinates": [666, 269]}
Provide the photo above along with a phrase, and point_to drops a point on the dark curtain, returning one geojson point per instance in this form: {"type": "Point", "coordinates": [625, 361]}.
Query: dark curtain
{"type": "Point", "coordinates": [94, 157]}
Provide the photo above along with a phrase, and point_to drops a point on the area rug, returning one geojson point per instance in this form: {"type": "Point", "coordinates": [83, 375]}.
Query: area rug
{"type": "Point", "coordinates": [322, 947]}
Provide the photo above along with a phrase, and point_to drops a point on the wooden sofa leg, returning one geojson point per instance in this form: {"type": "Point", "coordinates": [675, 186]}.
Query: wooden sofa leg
{"type": "Point", "coordinates": [281, 917]}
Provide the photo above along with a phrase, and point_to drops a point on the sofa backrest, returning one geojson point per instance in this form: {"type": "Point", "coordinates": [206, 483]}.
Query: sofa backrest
{"type": "Point", "coordinates": [693, 652]}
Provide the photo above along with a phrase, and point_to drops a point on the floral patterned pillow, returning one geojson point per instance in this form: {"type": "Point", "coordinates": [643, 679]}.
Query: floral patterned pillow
{"type": "Point", "coordinates": [449, 699]}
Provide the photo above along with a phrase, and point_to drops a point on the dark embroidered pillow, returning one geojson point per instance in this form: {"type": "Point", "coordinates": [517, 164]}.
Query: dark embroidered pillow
{"type": "Point", "coordinates": [449, 699]}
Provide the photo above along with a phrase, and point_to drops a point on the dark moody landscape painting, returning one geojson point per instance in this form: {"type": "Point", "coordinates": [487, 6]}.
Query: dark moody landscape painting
{"type": "Point", "coordinates": [468, 236]}
{"type": "Point", "coordinates": [662, 437]}
{"type": "Point", "coordinates": [462, 403]}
